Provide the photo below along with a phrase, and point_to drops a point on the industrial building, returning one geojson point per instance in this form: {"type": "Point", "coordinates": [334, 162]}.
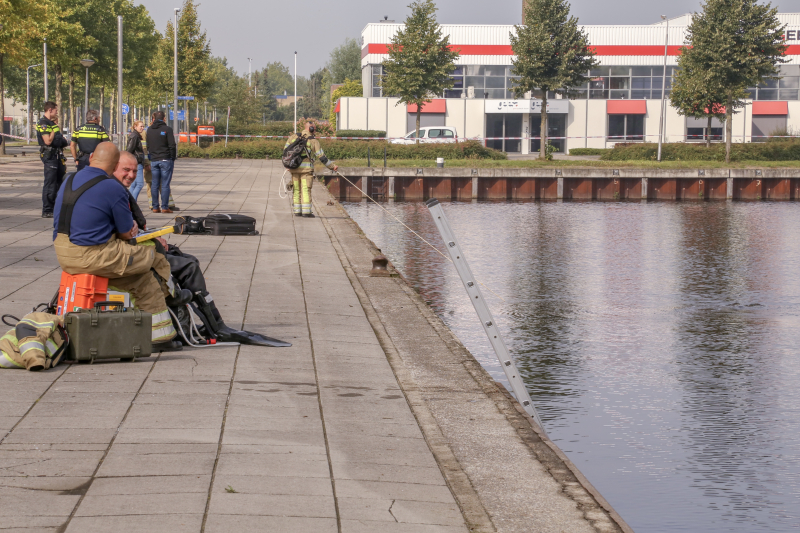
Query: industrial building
{"type": "Point", "coordinates": [620, 103]}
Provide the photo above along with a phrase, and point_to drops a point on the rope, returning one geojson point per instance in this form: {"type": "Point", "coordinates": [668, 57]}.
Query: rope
{"type": "Point", "coordinates": [283, 187]}
{"type": "Point", "coordinates": [411, 230]}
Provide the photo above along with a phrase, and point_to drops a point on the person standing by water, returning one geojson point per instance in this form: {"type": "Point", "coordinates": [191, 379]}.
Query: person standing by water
{"type": "Point", "coordinates": [163, 152]}
{"type": "Point", "coordinates": [135, 147]}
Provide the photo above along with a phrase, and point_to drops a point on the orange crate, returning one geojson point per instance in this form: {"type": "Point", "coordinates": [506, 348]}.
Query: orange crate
{"type": "Point", "coordinates": [80, 291]}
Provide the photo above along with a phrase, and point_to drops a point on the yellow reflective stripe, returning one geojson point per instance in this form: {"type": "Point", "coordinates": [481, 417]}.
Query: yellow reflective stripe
{"type": "Point", "coordinates": [7, 362]}
{"type": "Point", "coordinates": [25, 347]}
{"type": "Point", "coordinates": [162, 334]}
{"type": "Point", "coordinates": [10, 337]}
{"type": "Point", "coordinates": [50, 348]}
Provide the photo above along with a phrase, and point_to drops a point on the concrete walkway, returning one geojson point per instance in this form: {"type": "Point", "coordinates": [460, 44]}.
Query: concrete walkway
{"type": "Point", "coordinates": [332, 434]}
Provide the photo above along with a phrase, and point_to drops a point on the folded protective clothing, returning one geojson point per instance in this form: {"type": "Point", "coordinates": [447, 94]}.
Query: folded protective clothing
{"type": "Point", "coordinates": [35, 343]}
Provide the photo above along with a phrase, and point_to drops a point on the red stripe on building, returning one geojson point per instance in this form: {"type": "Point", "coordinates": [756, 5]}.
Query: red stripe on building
{"type": "Point", "coordinates": [761, 107]}
{"type": "Point", "coordinates": [434, 106]}
{"type": "Point", "coordinates": [626, 107]}
{"type": "Point", "coordinates": [600, 50]}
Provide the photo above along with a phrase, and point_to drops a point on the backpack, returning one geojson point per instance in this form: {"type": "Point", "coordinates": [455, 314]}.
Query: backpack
{"type": "Point", "coordinates": [293, 154]}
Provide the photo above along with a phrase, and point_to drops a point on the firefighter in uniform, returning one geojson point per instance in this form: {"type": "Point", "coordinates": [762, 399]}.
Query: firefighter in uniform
{"type": "Point", "coordinates": [51, 146]}
{"type": "Point", "coordinates": [96, 242]}
{"type": "Point", "coordinates": [86, 138]}
{"type": "Point", "coordinates": [303, 176]}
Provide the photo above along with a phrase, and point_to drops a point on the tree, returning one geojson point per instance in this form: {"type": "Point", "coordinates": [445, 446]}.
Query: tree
{"type": "Point", "coordinates": [349, 88]}
{"type": "Point", "coordinates": [550, 54]}
{"type": "Point", "coordinates": [736, 44]}
{"type": "Point", "coordinates": [22, 22]}
{"type": "Point", "coordinates": [694, 96]}
{"type": "Point", "coordinates": [420, 59]}
{"type": "Point", "coordinates": [345, 62]}
{"type": "Point", "coordinates": [311, 104]}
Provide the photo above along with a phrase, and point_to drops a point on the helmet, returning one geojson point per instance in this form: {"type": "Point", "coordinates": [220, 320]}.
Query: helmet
{"type": "Point", "coordinates": [311, 127]}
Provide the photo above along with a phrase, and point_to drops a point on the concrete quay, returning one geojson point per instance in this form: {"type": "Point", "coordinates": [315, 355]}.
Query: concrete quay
{"type": "Point", "coordinates": [566, 183]}
{"type": "Point", "coordinates": [376, 419]}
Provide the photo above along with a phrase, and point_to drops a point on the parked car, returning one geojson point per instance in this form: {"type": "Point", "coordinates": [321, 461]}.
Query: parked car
{"type": "Point", "coordinates": [432, 134]}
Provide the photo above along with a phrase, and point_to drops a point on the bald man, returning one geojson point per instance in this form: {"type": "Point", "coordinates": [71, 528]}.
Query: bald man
{"type": "Point", "coordinates": [96, 242]}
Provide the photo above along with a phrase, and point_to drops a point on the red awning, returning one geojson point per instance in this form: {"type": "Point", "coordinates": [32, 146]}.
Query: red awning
{"type": "Point", "coordinates": [761, 107]}
{"type": "Point", "coordinates": [626, 107]}
{"type": "Point", "coordinates": [338, 106]}
{"type": "Point", "coordinates": [434, 106]}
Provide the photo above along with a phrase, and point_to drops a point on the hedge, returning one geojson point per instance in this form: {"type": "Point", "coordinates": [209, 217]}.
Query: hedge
{"type": "Point", "coordinates": [278, 129]}
{"type": "Point", "coordinates": [588, 151]}
{"type": "Point", "coordinates": [361, 133]}
{"type": "Point", "coordinates": [338, 150]}
{"type": "Point", "coordinates": [771, 151]}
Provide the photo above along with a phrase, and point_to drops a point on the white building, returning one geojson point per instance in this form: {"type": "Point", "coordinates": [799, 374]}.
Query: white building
{"type": "Point", "coordinates": [620, 103]}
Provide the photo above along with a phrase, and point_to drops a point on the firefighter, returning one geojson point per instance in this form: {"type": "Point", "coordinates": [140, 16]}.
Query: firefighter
{"type": "Point", "coordinates": [86, 138]}
{"type": "Point", "coordinates": [51, 150]}
{"type": "Point", "coordinates": [95, 242]}
{"type": "Point", "coordinates": [303, 176]}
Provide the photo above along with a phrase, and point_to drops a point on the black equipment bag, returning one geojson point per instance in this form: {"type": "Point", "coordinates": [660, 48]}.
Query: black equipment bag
{"type": "Point", "coordinates": [190, 225]}
{"type": "Point", "coordinates": [293, 154]}
{"type": "Point", "coordinates": [222, 224]}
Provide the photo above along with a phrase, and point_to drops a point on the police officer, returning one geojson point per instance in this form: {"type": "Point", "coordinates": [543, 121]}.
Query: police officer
{"type": "Point", "coordinates": [51, 150]}
{"type": "Point", "coordinates": [86, 138]}
{"type": "Point", "coordinates": [303, 176]}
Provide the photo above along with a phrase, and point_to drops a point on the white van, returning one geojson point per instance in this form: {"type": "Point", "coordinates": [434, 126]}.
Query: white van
{"type": "Point", "coordinates": [431, 134]}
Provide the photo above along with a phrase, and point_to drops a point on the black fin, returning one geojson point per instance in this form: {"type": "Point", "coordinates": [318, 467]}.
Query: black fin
{"type": "Point", "coordinates": [226, 334]}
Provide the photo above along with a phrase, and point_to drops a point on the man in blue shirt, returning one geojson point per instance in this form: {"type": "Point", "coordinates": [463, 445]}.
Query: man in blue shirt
{"type": "Point", "coordinates": [92, 226]}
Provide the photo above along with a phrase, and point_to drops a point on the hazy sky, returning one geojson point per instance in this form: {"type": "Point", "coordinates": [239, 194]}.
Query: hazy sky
{"type": "Point", "coordinates": [271, 30]}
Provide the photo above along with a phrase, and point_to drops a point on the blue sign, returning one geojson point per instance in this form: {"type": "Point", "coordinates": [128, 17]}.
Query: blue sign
{"type": "Point", "coordinates": [186, 98]}
{"type": "Point", "coordinates": [181, 114]}
{"type": "Point", "coordinates": [125, 109]}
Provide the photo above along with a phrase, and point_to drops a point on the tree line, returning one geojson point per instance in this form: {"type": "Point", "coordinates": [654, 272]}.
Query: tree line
{"type": "Point", "coordinates": [87, 29]}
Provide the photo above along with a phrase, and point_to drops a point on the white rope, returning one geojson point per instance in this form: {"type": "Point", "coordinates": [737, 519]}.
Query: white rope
{"type": "Point", "coordinates": [193, 344]}
{"type": "Point", "coordinates": [409, 229]}
{"type": "Point", "coordinates": [283, 187]}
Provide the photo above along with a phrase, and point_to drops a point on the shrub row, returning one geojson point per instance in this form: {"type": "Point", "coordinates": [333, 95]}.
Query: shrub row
{"type": "Point", "coordinates": [338, 150]}
{"type": "Point", "coordinates": [588, 151]}
{"type": "Point", "coordinates": [361, 133]}
{"type": "Point", "coordinates": [771, 151]}
{"type": "Point", "coordinates": [281, 129]}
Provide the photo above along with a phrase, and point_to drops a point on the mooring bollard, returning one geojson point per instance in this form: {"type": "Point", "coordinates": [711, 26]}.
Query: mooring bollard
{"type": "Point", "coordinates": [380, 267]}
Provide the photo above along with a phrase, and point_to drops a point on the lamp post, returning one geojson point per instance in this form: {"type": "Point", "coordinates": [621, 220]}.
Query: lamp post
{"type": "Point", "coordinates": [663, 89]}
{"type": "Point", "coordinates": [250, 72]}
{"type": "Point", "coordinates": [45, 70]}
{"type": "Point", "coordinates": [295, 92]}
{"type": "Point", "coordinates": [86, 63]}
{"type": "Point", "coordinates": [120, 129]}
{"type": "Point", "coordinates": [175, 81]}
{"type": "Point", "coordinates": [28, 100]}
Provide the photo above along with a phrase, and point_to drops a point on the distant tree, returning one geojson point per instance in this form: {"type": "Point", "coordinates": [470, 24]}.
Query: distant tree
{"type": "Point", "coordinates": [420, 59]}
{"type": "Point", "coordinates": [345, 62]}
{"type": "Point", "coordinates": [23, 22]}
{"type": "Point", "coordinates": [310, 106]}
{"type": "Point", "coordinates": [551, 53]}
{"type": "Point", "coordinates": [349, 88]}
{"type": "Point", "coordinates": [736, 44]}
{"type": "Point", "coordinates": [275, 78]}
{"type": "Point", "coordinates": [693, 95]}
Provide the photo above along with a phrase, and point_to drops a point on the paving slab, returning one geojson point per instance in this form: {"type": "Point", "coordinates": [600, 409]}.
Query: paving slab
{"type": "Point", "coordinates": [325, 436]}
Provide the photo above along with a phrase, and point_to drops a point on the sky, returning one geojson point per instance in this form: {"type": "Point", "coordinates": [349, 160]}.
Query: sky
{"type": "Point", "coordinates": [272, 30]}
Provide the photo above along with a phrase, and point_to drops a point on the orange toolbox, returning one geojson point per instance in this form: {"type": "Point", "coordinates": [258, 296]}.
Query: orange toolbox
{"type": "Point", "coordinates": [82, 291]}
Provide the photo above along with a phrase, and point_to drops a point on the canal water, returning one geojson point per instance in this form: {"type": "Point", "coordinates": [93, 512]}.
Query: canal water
{"type": "Point", "coordinates": [659, 342]}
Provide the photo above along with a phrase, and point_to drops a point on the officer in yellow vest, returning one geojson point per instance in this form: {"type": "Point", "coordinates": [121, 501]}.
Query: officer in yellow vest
{"type": "Point", "coordinates": [51, 150]}
{"type": "Point", "coordinates": [303, 175]}
{"type": "Point", "coordinates": [86, 138]}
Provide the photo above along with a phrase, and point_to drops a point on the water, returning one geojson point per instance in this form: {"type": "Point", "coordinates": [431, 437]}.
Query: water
{"type": "Point", "coordinates": [658, 341]}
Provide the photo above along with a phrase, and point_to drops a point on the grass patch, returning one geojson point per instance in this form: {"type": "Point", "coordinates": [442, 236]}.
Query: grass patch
{"type": "Point", "coordinates": [588, 151]}
{"type": "Point", "coordinates": [535, 163]}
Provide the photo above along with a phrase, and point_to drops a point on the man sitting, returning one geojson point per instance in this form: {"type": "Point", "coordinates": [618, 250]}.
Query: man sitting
{"type": "Point", "coordinates": [96, 241]}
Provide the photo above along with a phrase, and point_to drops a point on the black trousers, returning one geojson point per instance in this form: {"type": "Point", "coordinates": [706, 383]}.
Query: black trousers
{"type": "Point", "coordinates": [54, 171]}
{"type": "Point", "coordinates": [83, 161]}
{"type": "Point", "coordinates": [186, 270]}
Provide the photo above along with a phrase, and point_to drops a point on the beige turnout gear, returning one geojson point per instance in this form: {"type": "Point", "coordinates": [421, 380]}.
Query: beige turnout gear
{"type": "Point", "coordinates": [303, 176]}
{"type": "Point", "coordinates": [128, 268]}
{"type": "Point", "coordinates": [35, 343]}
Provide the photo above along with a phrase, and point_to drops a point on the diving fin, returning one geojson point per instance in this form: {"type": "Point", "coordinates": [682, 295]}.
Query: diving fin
{"type": "Point", "coordinates": [226, 334]}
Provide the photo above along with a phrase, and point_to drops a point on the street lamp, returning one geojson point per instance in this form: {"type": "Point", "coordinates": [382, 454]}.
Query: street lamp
{"type": "Point", "coordinates": [86, 63]}
{"type": "Point", "coordinates": [28, 92]}
{"type": "Point", "coordinates": [45, 69]}
{"type": "Point", "coordinates": [175, 80]}
{"type": "Point", "coordinates": [250, 72]}
{"type": "Point", "coordinates": [663, 89]}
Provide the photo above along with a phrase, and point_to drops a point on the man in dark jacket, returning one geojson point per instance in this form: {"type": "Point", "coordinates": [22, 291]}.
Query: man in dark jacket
{"type": "Point", "coordinates": [163, 152]}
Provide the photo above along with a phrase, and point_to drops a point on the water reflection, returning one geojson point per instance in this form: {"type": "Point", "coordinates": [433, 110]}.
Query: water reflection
{"type": "Point", "coordinates": [659, 342]}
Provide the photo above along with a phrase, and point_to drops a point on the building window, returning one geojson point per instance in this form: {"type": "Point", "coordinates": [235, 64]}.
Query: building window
{"type": "Point", "coordinates": [785, 88]}
{"type": "Point", "coordinates": [767, 125]}
{"type": "Point", "coordinates": [624, 83]}
{"type": "Point", "coordinates": [556, 127]}
{"type": "Point", "coordinates": [377, 74]}
{"type": "Point", "coordinates": [625, 127]}
{"type": "Point", "coordinates": [499, 127]}
{"type": "Point", "coordinates": [699, 134]}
